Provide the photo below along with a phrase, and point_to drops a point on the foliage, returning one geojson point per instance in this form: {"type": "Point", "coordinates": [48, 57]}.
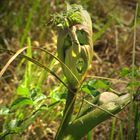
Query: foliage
{"type": "Point", "coordinates": [69, 17]}
{"type": "Point", "coordinates": [36, 94]}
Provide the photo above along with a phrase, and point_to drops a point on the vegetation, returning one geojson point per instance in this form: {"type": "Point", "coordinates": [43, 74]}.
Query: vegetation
{"type": "Point", "coordinates": [52, 84]}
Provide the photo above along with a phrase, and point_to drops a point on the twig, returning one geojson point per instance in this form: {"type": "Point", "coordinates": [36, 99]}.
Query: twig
{"type": "Point", "coordinates": [106, 78]}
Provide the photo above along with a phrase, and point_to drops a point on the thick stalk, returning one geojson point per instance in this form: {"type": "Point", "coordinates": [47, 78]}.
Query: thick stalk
{"type": "Point", "coordinates": [81, 126]}
{"type": "Point", "coordinates": [87, 108]}
{"type": "Point", "coordinates": [71, 97]}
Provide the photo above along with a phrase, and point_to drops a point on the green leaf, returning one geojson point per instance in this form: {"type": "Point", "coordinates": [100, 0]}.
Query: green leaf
{"type": "Point", "coordinates": [13, 124]}
{"type": "Point", "coordinates": [90, 90]}
{"type": "Point", "coordinates": [4, 110]}
{"type": "Point", "coordinates": [93, 87]}
{"type": "Point", "coordinates": [34, 92]}
{"type": "Point", "coordinates": [39, 98]}
{"type": "Point", "coordinates": [99, 84]}
{"type": "Point", "coordinates": [22, 101]}
{"type": "Point", "coordinates": [58, 95]}
{"type": "Point", "coordinates": [133, 84]}
{"type": "Point", "coordinates": [22, 90]}
{"type": "Point", "coordinates": [36, 95]}
{"type": "Point", "coordinates": [19, 114]}
{"type": "Point", "coordinates": [125, 71]}
{"type": "Point", "coordinates": [82, 37]}
{"type": "Point", "coordinates": [68, 17]}
{"type": "Point", "coordinates": [86, 89]}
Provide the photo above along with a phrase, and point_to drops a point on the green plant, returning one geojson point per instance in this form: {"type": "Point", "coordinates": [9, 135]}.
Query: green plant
{"type": "Point", "coordinates": [75, 55]}
{"type": "Point", "coordinates": [69, 45]}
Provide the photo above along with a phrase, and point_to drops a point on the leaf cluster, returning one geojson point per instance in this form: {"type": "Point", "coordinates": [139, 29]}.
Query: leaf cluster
{"type": "Point", "coordinates": [94, 87]}
{"type": "Point", "coordinates": [68, 17]}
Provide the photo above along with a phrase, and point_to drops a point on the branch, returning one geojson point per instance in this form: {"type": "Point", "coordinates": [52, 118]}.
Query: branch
{"type": "Point", "coordinates": [87, 122]}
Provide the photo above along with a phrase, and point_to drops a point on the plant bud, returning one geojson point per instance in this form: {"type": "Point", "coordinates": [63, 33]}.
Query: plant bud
{"type": "Point", "coordinates": [75, 47]}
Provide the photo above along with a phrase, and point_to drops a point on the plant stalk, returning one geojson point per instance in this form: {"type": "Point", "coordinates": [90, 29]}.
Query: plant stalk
{"type": "Point", "coordinates": [87, 122]}
{"type": "Point", "coordinates": [71, 97]}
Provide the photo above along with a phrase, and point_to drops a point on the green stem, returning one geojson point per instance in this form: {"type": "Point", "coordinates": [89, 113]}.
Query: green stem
{"type": "Point", "coordinates": [113, 129]}
{"type": "Point", "coordinates": [71, 97]}
{"type": "Point", "coordinates": [88, 107]}
{"type": "Point", "coordinates": [87, 122]}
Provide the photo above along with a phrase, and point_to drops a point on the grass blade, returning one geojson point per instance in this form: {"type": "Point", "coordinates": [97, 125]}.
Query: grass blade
{"type": "Point", "coordinates": [37, 63]}
{"type": "Point", "coordinates": [11, 60]}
